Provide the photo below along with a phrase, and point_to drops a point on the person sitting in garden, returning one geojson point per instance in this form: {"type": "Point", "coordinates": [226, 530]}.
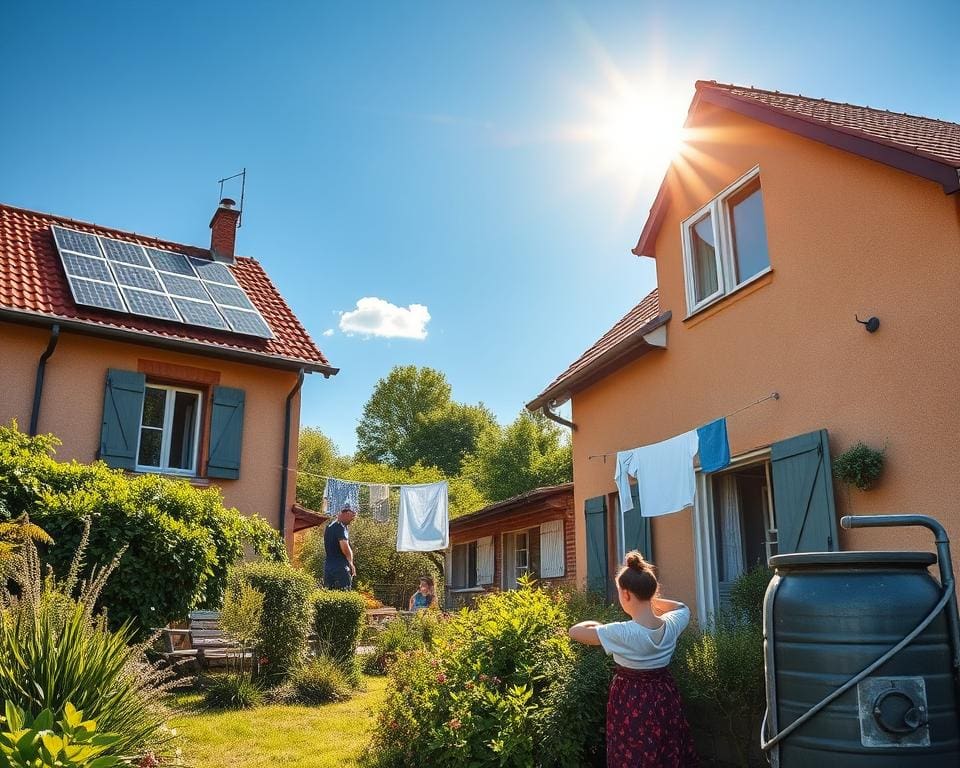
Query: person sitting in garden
{"type": "Point", "coordinates": [424, 597]}
{"type": "Point", "coordinates": [646, 727]}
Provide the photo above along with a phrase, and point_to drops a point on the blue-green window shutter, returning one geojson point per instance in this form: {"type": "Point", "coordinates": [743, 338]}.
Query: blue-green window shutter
{"type": "Point", "coordinates": [226, 433]}
{"type": "Point", "coordinates": [596, 529]}
{"type": "Point", "coordinates": [122, 411]}
{"type": "Point", "coordinates": [636, 528]}
{"type": "Point", "coordinates": [803, 494]}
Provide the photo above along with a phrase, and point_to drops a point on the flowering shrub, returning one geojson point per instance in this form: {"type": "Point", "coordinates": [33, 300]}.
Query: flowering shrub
{"type": "Point", "coordinates": [481, 693]}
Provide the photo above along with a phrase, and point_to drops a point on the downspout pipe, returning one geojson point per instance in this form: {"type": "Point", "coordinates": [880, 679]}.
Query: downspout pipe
{"type": "Point", "coordinates": [284, 477]}
{"type": "Point", "coordinates": [555, 418]}
{"type": "Point", "coordinates": [41, 370]}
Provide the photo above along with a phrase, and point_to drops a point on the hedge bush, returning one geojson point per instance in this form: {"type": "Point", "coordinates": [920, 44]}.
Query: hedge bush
{"type": "Point", "coordinates": [286, 617]}
{"type": "Point", "coordinates": [180, 540]}
{"type": "Point", "coordinates": [338, 620]}
{"type": "Point", "coordinates": [400, 636]}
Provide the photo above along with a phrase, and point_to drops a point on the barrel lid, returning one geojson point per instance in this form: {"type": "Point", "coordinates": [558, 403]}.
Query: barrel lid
{"type": "Point", "coordinates": [853, 558]}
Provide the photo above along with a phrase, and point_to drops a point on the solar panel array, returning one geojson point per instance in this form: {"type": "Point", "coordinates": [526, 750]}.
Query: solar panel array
{"type": "Point", "coordinates": [139, 280]}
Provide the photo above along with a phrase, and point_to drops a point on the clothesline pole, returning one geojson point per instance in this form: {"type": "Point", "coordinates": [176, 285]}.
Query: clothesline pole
{"type": "Point", "coordinates": [771, 396]}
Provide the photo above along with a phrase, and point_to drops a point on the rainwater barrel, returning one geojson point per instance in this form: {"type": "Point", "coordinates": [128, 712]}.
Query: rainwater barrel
{"type": "Point", "coordinates": [828, 616]}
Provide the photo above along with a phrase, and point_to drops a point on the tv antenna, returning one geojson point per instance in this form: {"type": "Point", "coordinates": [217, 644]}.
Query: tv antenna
{"type": "Point", "coordinates": [243, 186]}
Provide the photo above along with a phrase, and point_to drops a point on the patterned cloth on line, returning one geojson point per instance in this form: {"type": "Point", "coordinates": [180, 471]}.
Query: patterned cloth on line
{"type": "Point", "coordinates": [340, 492]}
{"type": "Point", "coordinates": [646, 727]}
{"type": "Point", "coordinates": [380, 502]}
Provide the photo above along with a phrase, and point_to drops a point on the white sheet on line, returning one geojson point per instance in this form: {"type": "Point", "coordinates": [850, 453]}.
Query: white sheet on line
{"type": "Point", "coordinates": [424, 521]}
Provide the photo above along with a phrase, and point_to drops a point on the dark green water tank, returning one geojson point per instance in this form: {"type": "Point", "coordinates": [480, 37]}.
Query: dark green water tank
{"type": "Point", "coordinates": [828, 616]}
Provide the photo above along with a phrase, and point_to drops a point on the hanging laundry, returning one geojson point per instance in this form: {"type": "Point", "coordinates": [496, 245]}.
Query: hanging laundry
{"type": "Point", "coordinates": [626, 468]}
{"type": "Point", "coordinates": [338, 493]}
{"type": "Point", "coordinates": [714, 446]}
{"type": "Point", "coordinates": [424, 522]}
{"type": "Point", "coordinates": [664, 472]}
{"type": "Point", "coordinates": [380, 502]}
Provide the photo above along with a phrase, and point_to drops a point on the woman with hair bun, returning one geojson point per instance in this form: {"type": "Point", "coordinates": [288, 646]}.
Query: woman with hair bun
{"type": "Point", "coordinates": [646, 727]}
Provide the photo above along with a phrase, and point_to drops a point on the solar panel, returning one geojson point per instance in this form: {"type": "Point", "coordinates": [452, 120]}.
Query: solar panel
{"type": "Point", "coordinates": [213, 271]}
{"type": "Point", "coordinates": [135, 277]}
{"type": "Point", "coordinates": [201, 313]}
{"type": "Point", "coordinates": [226, 296]}
{"type": "Point", "coordinates": [128, 253]}
{"type": "Point", "coordinates": [243, 321]}
{"type": "Point", "coordinates": [150, 304]}
{"type": "Point", "coordinates": [177, 285]}
{"type": "Point", "coordinates": [78, 265]}
{"type": "Point", "coordinates": [96, 294]}
{"type": "Point", "coordinates": [170, 262]}
{"type": "Point", "coordinates": [71, 240]}
{"type": "Point", "coordinates": [152, 282]}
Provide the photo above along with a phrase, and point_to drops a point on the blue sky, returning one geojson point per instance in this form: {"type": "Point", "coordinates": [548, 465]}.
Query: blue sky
{"type": "Point", "coordinates": [438, 154]}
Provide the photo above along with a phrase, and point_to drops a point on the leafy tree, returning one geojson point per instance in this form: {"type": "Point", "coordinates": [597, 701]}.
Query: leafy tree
{"type": "Point", "coordinates": [443, 438]}
{"type": "Point", "coordinates": [391, 415]}
{"type": "Point", "coordinates": [532, 452]}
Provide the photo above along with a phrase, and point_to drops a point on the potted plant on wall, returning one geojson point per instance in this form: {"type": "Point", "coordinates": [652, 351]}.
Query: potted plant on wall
{"type": "Point", "coordinates": [860, 466]}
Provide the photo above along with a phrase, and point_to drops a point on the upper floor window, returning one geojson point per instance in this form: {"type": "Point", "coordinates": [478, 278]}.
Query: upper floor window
{"type": "Point", "coordinates": [169, 430]}
{"type": "Point", "coordinates": [725, 243]}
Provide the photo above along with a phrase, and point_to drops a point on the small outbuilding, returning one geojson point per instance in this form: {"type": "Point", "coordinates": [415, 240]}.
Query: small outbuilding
{"type": "Point", "coordinates": [532, 533]}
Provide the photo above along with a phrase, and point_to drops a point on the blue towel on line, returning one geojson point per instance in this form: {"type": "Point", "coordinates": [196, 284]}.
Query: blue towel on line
{"type": "Point", "coordinates": [714, 446]}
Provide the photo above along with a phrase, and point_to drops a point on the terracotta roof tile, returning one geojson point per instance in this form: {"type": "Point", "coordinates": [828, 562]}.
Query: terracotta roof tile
{"type": "Point", "coordinates": [32, 280]}
{"type": "Point", "coordinates": [935, 139]}
{"type": "Point", "coordinates": [628, 325]}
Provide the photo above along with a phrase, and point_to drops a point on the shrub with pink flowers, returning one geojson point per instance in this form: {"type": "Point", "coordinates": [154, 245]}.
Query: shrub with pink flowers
{"type": "Point", "coordinates": [487, 689]}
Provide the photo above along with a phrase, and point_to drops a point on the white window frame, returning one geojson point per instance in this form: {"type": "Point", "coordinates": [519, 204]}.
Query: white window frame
{"type": "Point", "coordinates": [719, 213]}
{"type": "Point", "coordinates": [705, 534]}
{"type": "Point", "coordinates": [166, 429]}
{"type": "Point", "coordinates": [512, 572]}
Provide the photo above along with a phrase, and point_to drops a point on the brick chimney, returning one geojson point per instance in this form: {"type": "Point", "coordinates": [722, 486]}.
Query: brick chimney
{"type": "Point", "coordinates": [223, 231]}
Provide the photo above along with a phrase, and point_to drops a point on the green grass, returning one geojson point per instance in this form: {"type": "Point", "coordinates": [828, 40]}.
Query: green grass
{"type": "Point", "coordinates": [330, 736]}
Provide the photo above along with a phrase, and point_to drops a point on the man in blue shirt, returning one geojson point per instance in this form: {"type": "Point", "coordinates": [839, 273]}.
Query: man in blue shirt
{"type": "Point", "coordinates": [338, 569]}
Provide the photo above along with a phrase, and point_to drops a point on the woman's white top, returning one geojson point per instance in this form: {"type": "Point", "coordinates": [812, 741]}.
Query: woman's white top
{"type": "Point", "coordinates": [638, 647]}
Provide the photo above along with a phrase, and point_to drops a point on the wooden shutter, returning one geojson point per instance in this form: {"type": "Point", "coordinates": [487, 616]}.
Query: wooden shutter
{"type": "Point", "coordinates": [226, 433]}
{"type": "Point", "coordinates": [636, 528]}
{"type": "Point", "coordinates": [551, 549]}
{"type": "Point", "coordinates": [803, 494]}
{"type": "Point", "coordinates": [122, 411]}
{"type": "Point", "coordinates": [595, 510]}
{"type": "Point", "coordinates": [485, 560]}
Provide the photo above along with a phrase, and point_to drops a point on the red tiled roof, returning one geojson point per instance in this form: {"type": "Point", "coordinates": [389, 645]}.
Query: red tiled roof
{"type": "Point", "coordinates": [627, 331]}
{"type": "Point", "coordinates": [922, 146]}
{"type": "Point", "coordinates": [925, 136]}
{"type": "Point", "coordinates": [32, 282]}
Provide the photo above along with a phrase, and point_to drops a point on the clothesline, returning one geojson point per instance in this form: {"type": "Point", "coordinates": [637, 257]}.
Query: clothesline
{"type": "Point", "coordinates": [332, 477]}
{"type": "Point", "coordinates": [771, 396]}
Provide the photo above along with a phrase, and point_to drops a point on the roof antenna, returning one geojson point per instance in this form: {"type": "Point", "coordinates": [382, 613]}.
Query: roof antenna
{"type": "Point", "coordinates": [243, 186]}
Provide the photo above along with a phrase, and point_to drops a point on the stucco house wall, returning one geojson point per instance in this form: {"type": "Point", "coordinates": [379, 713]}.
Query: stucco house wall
{"type": "Point", "coordinates": [846, 236]}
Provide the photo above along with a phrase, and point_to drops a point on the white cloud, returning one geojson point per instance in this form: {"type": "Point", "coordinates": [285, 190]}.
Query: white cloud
{"type": "Point", "coordinates": [378, 317]}
{"type": "Point", "coordinates": [328, 332]}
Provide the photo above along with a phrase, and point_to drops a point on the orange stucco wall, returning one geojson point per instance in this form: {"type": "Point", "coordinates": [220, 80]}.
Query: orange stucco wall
{"type": "Point", "coordinates": [846, 236]}
{"type": "Point", "coordinates": [72, 405]}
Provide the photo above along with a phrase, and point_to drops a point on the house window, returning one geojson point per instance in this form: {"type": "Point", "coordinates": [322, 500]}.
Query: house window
{"type": "Point", "coordinates": [169, 430]}
{"type": "Point", "coordinates": [743, 521]}
{"type": "Point", "coordinates": [465, 565]}
{"type": "Point", "coordinates": [521, 551]}
{"type": "Point", "coordinates": [725, 243]}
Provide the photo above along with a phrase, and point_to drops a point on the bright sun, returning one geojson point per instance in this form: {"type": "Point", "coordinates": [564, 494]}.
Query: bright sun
{"type": "Point", "coordinates": [634, 129]}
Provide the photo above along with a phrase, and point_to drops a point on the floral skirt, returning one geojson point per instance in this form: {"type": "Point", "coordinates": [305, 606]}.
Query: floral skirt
{"type": "Point", "coordinates": [646, 727]}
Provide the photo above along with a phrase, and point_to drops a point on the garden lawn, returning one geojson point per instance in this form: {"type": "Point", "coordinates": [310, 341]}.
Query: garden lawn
{"type": "Point", "coordinates": [330, 736]}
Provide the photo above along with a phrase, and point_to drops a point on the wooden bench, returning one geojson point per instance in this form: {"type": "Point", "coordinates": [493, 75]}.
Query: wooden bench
{"type": "Point", "coordinates": [202, 642]}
